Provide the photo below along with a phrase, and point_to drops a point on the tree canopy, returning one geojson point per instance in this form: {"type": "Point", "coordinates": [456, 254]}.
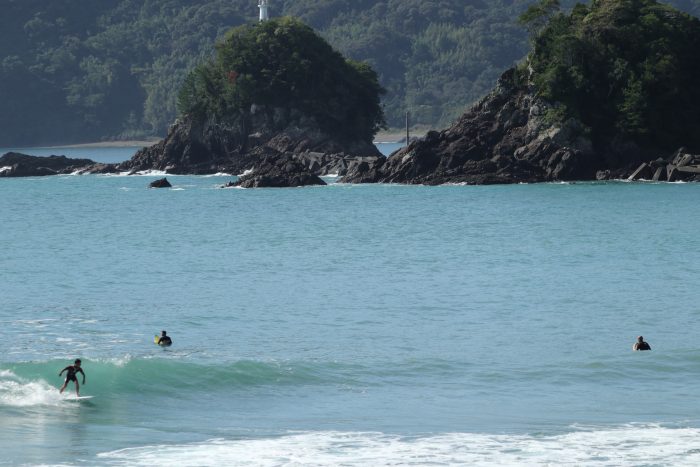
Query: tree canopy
{"type": "Point", "coordinates": [82, 70]}
{"type": "Point", "coordinates": [284, 64]}
{"type": "Point", "coordinates": [623, 67]}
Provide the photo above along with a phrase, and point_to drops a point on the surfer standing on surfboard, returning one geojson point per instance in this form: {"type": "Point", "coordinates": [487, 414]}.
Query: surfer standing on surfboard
{"type": "Point", "coordinates": [73, 370]}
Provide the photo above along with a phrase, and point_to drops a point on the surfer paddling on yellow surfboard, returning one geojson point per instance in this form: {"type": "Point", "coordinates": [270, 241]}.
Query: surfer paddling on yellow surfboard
{"type": "Point", "coordinates": [73, 370]}
{"type": "Point", "coordinates": [163, 340]}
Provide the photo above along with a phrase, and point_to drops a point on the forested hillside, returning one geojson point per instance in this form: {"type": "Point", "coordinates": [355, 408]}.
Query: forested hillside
{"type": "Point", "coordinates": [626, 70]}
{"type": "Point", "coordinates": [80, 70]}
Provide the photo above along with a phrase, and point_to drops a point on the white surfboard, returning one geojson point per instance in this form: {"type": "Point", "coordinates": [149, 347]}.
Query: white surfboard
{"type": "Point", "coordinates": [77, 398]}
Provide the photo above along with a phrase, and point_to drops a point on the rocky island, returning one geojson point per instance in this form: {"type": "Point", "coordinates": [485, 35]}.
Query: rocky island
{"type": "Point", "coordinates": [276, 98]}
{"type": "Point", "coordinates": [606, 88]}
{"type": "Point", "coordinates": [277, 102]}
{"type": "Point", "coordinates": [14, 164]}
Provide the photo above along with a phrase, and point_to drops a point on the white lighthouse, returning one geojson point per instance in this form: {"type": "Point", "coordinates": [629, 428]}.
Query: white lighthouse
{"type": "Point", "coordinates": [264, 6]}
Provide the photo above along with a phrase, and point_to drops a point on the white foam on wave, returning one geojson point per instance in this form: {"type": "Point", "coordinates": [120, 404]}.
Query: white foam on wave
{"type": "Point", "coordinates": [217, 174]}
{"type": "Point", "coordinates": [141, 173]}
{"type": "Point", "coordinates": [627, 445]}
{"type": "Point", "coordinates": [151, 172]}
{"type": "Point", "coordinates": [245, 172]}
{"type": "Point", "coordinates": [115, 174]}
{"type": "Point", "coordinates": [15, 392]}
{"type": "Point", "coordinates": [7, 168]}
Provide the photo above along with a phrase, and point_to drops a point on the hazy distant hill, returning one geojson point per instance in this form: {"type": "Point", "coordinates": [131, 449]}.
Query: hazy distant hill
{"type": "Point", "coordinates": [74, 70]}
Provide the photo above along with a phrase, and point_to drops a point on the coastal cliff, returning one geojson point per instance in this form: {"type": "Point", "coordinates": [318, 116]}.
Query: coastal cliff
{"type": "Point", "coordinates": [193, 147]}
{"type": "Point", "coordinates": [502, 139]}
{"type": "Point", "coordinates": [275, 90]}
{"type": "Point", "coordinates": [606, 87]}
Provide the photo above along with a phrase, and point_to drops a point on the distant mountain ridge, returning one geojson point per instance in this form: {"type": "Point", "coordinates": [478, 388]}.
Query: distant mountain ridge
{"type": "Point", "coordinates": [80, 70]}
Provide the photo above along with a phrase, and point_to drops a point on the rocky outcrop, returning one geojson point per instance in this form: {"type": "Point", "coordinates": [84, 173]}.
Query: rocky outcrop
{"type": "Point", "coordinates": [200, 149]}
{"type": "Point", "coordinates": [241, 144]}
{"type": "Point", "coordinates": [160, 183]}
{"type": "Point", "coordinates": [681, 166]}
{"type": "Point", "coordinates": [331, 164]}
{"type": "Point", "coordinates": [191, 148]}
{"type": "Point", "coordinates": [14, 164]}
{"type": "Point", "coordinates": [278, 172]}
{"type": "Point", "coordinates": [505, 138]}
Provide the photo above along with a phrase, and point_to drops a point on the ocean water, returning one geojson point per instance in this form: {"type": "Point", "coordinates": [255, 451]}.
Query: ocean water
{"type": "Point", "coordinates": [113, 154]}
{"type": "Point", "coordinates": [349, 324]}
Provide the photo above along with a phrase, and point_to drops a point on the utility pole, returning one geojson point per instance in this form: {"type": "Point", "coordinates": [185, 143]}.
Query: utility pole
{"type": "Point", "coordinates": [408, 135]}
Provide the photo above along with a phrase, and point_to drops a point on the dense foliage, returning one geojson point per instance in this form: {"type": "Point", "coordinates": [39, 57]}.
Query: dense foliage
{"type": "Point", "coordinates": [621, 67]}
{"type": "Point", "coordinates": [75, 70]}
{"type": "Point", "coordinates": [283, 64]}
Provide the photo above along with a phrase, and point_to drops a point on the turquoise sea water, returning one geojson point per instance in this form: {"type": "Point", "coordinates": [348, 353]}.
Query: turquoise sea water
{"type": "Point", "coordinates": [348, 324]}
{"type": "Point", "coordinates": [96, 153]}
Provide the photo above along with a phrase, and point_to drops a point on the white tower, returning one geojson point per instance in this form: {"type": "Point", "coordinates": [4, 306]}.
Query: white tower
{"type": "Point", "coordinates": [264, 5]}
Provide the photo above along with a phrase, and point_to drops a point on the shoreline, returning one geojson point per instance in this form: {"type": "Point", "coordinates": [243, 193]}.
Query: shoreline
{"type": "Point", "coordinates": [109, 144]}
{"type": "Point", "coordinates": [398, 136]}
{"type": "Point", "coordinates": [384, 137]}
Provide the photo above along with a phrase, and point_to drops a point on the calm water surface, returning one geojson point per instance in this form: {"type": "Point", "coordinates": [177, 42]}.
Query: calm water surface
{"type": "Point", "coordinates": [347, 324]}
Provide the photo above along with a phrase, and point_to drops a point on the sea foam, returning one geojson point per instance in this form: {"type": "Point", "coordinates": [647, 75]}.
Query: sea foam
{"type": "Point", "coordinates": [16, 392]}
{"type": "Point", "coordinates": [625, 445]}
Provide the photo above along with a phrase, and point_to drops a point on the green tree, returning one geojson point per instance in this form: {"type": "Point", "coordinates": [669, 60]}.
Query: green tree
{"type": "Point", "coordinates": [283, 64]}
{"type": "Point", "coordinates": [536, 17]}
{"type": "Point", "coordinates": [623, 65]}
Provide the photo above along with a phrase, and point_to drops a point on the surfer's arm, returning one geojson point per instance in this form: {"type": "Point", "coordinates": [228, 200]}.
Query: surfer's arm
{"type": "Point", "coordinates": [82, 373]}
{"type": "Point", "coordinates": [65, 369]}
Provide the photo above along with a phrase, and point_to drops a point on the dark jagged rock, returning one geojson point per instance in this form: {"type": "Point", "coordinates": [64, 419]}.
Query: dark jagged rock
{"type": "Point", "coordinates": [214, 147]}
{"type": "Point", "coordinates": [98, 168]}
{"type": "Point", "coordinates": [278, 172]}
{"type": "Point", "coordinates": [190, 148]}
{"type": "Point", "coordinates": [681, 166]}
{"type": "Point", "coordinates": [160, 183]}
{"type": "Point", "coordinates": [14, 164]}
{"type": "Point", "coordinates": [332, 164]}
{"type": "Point", "coordinates": [502, 139]}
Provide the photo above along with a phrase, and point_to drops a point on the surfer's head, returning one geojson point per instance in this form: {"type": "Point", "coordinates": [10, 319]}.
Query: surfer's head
{"type": "Point", "coordinates": [640, 339]}
{"type": "Point", "coordinates": [77, 361]}
{"type": "Point", "coordinates": [163, 333]}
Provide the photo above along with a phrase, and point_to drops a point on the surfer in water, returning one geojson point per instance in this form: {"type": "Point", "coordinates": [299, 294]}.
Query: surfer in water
{"type": "Point", "coordinates": [71, 375]}
{"type": "Point", "coordinates": [164, 339]}
{"type": "Point", "coordinates": [641, 345]}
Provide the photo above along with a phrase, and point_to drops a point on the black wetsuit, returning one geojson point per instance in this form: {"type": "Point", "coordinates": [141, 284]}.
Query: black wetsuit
{"type": "Point", "coordinates": [642, 346]}
{"type": "Point", "coordinates": [72, 372]}
{"type": "Point", "coordinates": [165, 340]}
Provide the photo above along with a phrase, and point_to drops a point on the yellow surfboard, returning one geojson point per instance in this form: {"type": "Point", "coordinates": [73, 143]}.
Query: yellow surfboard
{"type": "Point", "coordinates": [155, 341]}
